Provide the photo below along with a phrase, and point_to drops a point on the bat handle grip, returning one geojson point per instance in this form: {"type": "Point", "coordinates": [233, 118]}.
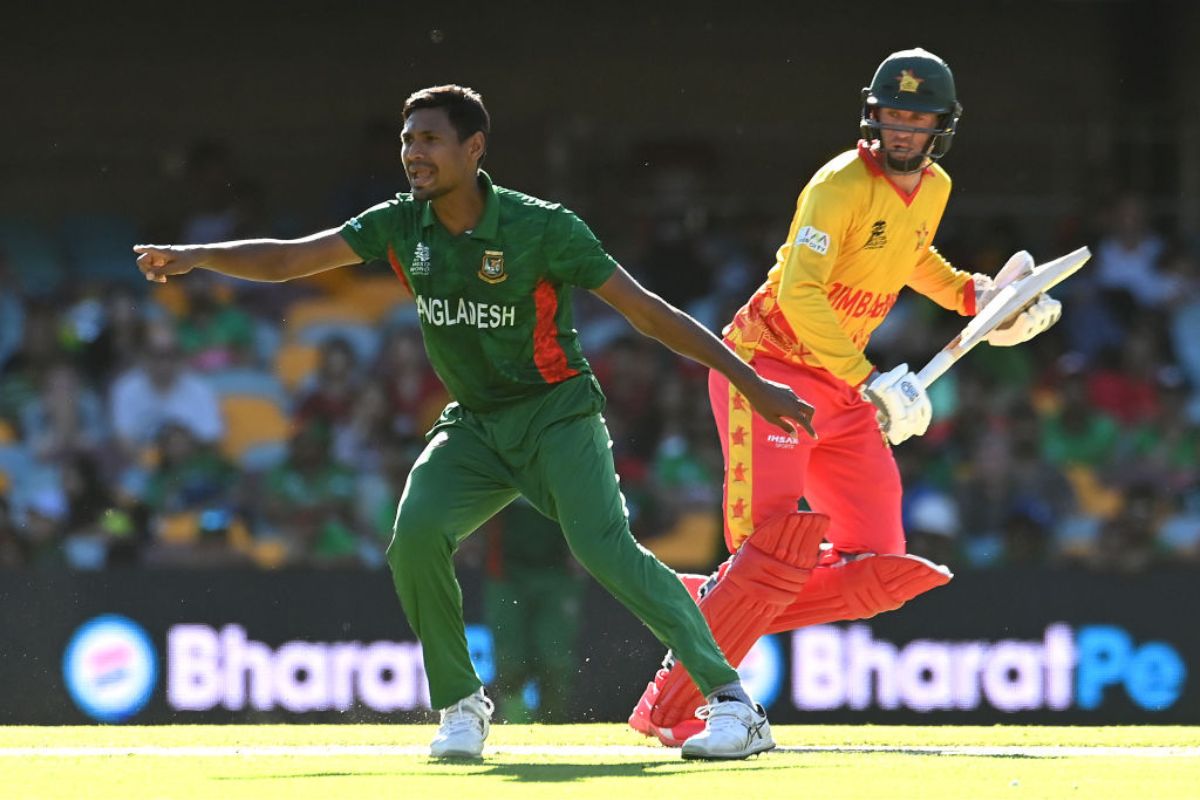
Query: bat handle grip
{"type": "Point", "coordinates": [936, 367]}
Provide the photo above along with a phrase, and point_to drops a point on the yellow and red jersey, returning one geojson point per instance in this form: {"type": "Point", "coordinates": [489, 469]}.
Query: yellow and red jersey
{"type": "Point", "coordinates": [855, 241]}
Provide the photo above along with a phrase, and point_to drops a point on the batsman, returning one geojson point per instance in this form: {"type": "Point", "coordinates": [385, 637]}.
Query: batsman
{"type": "Point", "coordinates": [862, 231]}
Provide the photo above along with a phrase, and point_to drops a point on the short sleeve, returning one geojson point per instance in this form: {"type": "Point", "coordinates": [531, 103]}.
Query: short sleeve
{"type": "Point", "coordinates": [369, 233]}
{"type": "Point", "coordinates": [574, 253]}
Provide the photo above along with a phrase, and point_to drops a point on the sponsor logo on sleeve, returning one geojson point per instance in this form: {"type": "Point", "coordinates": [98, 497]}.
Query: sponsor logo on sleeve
{"type": "Point", "coordinates": [814, 239]}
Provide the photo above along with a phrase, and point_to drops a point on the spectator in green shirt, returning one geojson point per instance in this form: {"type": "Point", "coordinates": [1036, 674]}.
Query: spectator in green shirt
{"type": "Point", "coordinates": [1076, 434]}
{"type": "Point", "coordinates": [308, 501]}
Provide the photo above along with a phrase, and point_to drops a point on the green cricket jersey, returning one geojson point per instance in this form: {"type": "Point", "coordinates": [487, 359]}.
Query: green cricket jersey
{"type": "Point", "coordinates": [493, 301]}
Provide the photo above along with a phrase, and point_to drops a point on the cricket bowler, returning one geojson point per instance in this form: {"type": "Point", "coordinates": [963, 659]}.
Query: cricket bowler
{"type": "Point", "coordinates": [490, 270]}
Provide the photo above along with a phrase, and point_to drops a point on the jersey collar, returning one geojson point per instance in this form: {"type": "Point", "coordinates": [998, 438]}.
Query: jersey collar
{"type": "Point", "coordinates": [489, 223]}
{"type": "Point", "coordinates": [870, 157]}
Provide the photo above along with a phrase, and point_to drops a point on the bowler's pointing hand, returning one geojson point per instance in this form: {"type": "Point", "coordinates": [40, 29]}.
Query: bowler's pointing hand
{"type": "Point", "coordinates": [157, 262]}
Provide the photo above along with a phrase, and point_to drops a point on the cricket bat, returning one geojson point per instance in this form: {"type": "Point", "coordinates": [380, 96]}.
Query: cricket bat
{"type": "Point", "coordinates": [1011, 300]}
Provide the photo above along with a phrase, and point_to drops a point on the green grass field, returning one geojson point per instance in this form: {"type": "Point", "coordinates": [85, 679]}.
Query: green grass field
{"type": "Point", "coordinates": [596, 761]}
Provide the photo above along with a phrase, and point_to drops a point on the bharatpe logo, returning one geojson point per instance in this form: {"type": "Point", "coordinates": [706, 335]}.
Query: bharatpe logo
{"type": "Point", "coordinates": [110, 668]}
{"type": "Point", "coordinates": [444, 313]}
{"type": "Point", "coordinates": [208, 668]}
{"type": "Point", "coordinates": [835, 667]}
{"type": "Point", "coordinates": [813, 239]}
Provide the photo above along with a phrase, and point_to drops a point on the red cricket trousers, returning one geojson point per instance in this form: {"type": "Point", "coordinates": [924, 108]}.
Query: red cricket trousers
{"type": "Point", "coordinates": [848, 473]}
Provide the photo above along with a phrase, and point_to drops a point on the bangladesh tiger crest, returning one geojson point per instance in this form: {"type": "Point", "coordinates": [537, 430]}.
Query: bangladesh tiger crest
{"type": "Point", "coordinates": [492, 269]}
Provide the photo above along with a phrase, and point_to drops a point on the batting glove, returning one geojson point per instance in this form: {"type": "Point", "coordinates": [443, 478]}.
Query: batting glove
{"type": "Point", "coordinates": [1044, 312]}
{"type": "Point", "coordinates": [901, 404]}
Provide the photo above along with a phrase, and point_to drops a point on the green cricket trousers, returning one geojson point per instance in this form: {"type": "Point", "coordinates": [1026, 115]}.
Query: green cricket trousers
{"type": "Point", "coordinates": [554, 449]}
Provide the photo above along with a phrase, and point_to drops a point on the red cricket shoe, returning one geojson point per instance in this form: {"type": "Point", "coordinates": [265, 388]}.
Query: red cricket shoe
{"type": "Point", "coordinates": [639, 720]}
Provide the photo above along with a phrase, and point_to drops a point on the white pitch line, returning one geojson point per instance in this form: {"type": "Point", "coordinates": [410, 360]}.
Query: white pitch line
{"type": "Point", "coordinates": [1043, 751]}
{"type": "Point", "coordinates": [256, 751]}
{"type": "Point", "coordinates": [624, 751]}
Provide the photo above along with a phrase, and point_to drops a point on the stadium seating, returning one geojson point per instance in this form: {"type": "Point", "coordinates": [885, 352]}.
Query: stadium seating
{"type": "Point", "coordinates": [692, 543]}
{"type": "Point", "coordinates": [15, 464]}
{"type": "Point", "coordinates": [363, 339]}
{"type": "Point", "coordinates": [300, 315]}
{"type": "Point", "coordinates": [376, 296]}
{"type": "Point", "coordinates": [294, 362]}
{"type": "Point", "coordinates": [97, 247]}
{"type": "Point", "coordinates": [268, 338]}
{"type": "Point", "coordinates": [34, 260]}
{"type": "Point", "coordinates": [255, 407]}
{"type": "Point", "coordinates": [354, 313]}
{"type": "Point", "coordinates": [1096, 499]}
{"type": "Point", "coordinates": [248, 381]}
{"type": "Point", "coordinates": [252, 421]}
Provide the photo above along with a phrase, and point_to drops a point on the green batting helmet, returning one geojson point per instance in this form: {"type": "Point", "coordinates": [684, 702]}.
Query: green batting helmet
{"type": "Point", "coordinates": [913, 80]}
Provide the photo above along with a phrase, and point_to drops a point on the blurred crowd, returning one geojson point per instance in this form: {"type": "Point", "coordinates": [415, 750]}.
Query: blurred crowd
{"type": "Point", "coordinates": [212, 422]}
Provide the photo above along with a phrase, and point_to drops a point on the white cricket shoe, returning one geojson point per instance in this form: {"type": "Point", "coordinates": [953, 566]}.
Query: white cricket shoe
{"type": "Point", "coordinates": [464, 727]}
{"type": "Point", "coordinates": [732, 730]}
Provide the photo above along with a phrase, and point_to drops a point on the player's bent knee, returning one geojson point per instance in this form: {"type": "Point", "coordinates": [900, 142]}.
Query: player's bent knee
{"type": "Point", "coordinates": [416, 540]}
{"type": "Point", "coordinates": [594, 543]}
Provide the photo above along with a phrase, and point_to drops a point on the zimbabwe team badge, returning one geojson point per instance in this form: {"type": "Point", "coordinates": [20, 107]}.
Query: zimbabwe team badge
{"type": "Point", "coordinates": [908, 81]}
{"type": "Point", "coordinates": [492, 269]}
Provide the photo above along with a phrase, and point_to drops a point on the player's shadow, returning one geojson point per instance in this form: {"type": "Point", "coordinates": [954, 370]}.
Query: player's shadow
{"type": "Point", "coordinates": [907, 751]}
{"type": "Point", "coordinates": [308, 775]}
{"type": "Point", "coordinates": [562, 772]}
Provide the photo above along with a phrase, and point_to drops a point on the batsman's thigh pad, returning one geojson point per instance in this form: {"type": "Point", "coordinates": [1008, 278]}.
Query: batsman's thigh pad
{"type": "Point", "coordinates": [859, 589]}
{"type": "Point", "coordinates": [764, 578]}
